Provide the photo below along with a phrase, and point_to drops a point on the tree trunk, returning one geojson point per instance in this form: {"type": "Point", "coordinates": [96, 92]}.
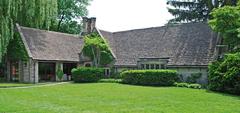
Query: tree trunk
{"type": "Point", "coordinates": [60, 21]}
{"type": "Point", "coordinates": [94, 57]}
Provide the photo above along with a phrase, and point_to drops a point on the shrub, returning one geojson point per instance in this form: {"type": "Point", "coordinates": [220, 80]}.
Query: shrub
{"type": "Point", "coordinates": [110, 80]}
{"type": "Point", "coordinates": [150, 77]}
{"type": "Point", "coordinates": [195, 86]}
{"type": "Point", "coordinates": [224, 75]}
{"type": "Point", "coordinates": [194, 77]}
{"type": "Point", "coordinates": [183, 84]}
{"type": "Point", "coordinates": [87, 74]}
{"type": "Point", "coordinates": [187, 85]}
{"type": "Point", "coordinates": [59, 72]}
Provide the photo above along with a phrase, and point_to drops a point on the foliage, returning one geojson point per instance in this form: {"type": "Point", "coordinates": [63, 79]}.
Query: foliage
{"type": "Point", "coordinates": [69, 11]}
{"type": "Point", "coordinates": [150, 77]}
{"type": "Point", "coordinates": [194, 10]}
{"type": "Point", "coordinates": [87, 74]}
{"type": "Point", "coordinates": [16, 49]}
{"type": "Point", "coordinates": [195, 86]}
{"type": "Point", "coordinates": [193, 77]}
{"type": "Point", "coordinates": [30, 13]}
{"type": "Point", "coordinates": [187, 85]}
{"type": "Point", "coordinates": [110, 80]}
{"type": "Point", "coordinates": [59, 72]}
{"type": "Point", "coordinates": [226, 20]}
{"type": "Point", "coordinates": [97, 49]}
{"type": "Point", "coordinates": [182, 84]}
{"type": "Point", "coordinates": [190, 11]}
{"type": "Point", "coordinates": [224, 75]}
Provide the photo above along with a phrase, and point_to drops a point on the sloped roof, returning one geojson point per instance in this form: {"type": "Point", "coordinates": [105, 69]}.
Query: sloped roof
{"type": "Point", "coordinates": [186, 45]}
{"type": "Point", "coordinates": [51, 46]}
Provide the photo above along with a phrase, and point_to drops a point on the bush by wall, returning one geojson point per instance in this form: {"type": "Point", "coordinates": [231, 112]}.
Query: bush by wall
{"type": "Point", "coordinates": [187, 85]}
{"type": "Point", "coordinates": [224, 75]}
{"type": "Point", "coordinates": [150, 77]}
{"type": "Point", "coordinates": [193, 77]}
{"type": "Point", "coordinates": [87, 74]}
{"type": "Point", "coordinates": [110, 80]}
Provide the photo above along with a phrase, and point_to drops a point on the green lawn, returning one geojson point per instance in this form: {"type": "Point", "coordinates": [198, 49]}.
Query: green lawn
{"type": "Point", "coordinates": [115, 98]}
{"type": "Point", "coordinates": [4, 85]}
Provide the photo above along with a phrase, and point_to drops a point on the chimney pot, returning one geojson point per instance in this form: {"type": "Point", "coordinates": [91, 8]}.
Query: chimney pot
{"type": "Point", "coordinates": [88, 25]}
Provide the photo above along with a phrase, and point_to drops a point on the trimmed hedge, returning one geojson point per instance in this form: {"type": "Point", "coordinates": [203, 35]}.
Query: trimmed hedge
{"type": "Point", "coordinates": [150, 77]}
{"type": "Point", "coordinates": [87, 74]}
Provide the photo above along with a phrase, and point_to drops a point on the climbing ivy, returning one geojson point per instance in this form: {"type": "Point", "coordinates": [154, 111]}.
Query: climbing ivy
{"type": "Point", "coordinates": [97, 49]}
{"type": "Point", "coordinates": [16, 49]}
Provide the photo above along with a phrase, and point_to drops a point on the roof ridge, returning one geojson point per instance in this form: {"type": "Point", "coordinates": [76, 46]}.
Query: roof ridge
{"type": "Point", "coordinates": [55, 32]}
{"type": "Point", "coordinates": [167, 25]}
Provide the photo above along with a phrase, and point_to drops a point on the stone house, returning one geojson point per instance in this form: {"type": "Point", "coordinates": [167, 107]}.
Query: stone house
{"type": "Point", "coordinates": [187, 48]}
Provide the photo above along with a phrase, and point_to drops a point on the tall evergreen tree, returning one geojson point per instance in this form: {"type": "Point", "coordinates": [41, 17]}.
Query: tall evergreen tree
{"type": "Point", "coordinates": [30, 13]}
{"type": "Point", "coordinates": [194, 10]}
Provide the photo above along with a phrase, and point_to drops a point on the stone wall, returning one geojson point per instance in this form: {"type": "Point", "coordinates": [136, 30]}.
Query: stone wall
{"type": "Point", "coordinates": [185, 72]}
{"type": "Point", "coordinates": [29, 71]}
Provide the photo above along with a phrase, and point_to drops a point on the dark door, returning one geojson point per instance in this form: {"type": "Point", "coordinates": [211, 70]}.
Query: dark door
{"type": "Point", "coordinates": [47, 71]}
{"type": "Point", "coordinates": [67, 67]}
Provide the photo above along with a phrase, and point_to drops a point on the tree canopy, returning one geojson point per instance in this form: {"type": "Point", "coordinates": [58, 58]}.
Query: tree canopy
{"type": "Point", "coordinates": [194, 10]}
{"type": "Point", "coordinates": [97, 49]}
{"type": "Point", "coordinates": [69, 11]}
{"type": "Point", "coordinates": [30, 13]}
{"type": "Point", "coordinates": [226, 20]}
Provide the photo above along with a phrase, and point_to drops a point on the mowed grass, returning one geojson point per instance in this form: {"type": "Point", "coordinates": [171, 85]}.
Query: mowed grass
{"type": "Point", "coordinates": [115, 98]}
{"type": "Point", "coordinates": [4, 85]}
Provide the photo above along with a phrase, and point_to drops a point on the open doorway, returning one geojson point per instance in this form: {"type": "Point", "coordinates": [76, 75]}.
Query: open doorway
{"type": "Point", "coordinates": [47, 71]}
{"type": "Point", "coordinates": [67, 67]}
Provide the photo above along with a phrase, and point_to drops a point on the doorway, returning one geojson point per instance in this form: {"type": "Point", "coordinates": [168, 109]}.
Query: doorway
{"type": "Point", "coordinates": [47, 72]}
{"type": "Point", "coordinates": [67, 68]}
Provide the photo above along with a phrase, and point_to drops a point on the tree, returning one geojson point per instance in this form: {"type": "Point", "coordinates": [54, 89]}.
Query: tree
{"type": "Point", "coordinates": [97, 49]}
{"type": "Point", "coordinates": [30, 13]}
{"type": "Point", "coordinates": [226, 20]}
{"type": "Point", "coordinates": [194, 10]}
{"type": "Point", "coordinates": [68, 12]}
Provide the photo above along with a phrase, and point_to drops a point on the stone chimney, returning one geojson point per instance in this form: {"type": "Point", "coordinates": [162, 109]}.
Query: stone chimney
{"type": "Point", "coordinates": [89, 25]}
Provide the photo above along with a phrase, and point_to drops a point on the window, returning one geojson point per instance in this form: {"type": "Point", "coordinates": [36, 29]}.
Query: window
{"type": "Point", "coordinates": [142, 66]}
{"type": "Point", "coordinates": [163, 66]}
{"type": "Point", "coordinates": [147, 66]}
{"type": "Point", "coordinates": [107, 72]}
{"type": "Point", "coordinates": [157, 66]}
{"type": "Point", "coordinates": [25, 64]}
{"type": "Point", "coordinates": [152, 66]}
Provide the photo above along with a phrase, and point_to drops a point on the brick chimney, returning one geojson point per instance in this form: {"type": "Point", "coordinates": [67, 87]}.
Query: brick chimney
{"type": "Point", "coordinates": [89, 25]}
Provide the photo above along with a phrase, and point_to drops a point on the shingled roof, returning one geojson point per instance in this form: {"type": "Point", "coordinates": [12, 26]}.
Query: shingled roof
{"type": "Point", "coordinates": [51, 46]}
{"type": "Point", "coordinates": [191, 44]}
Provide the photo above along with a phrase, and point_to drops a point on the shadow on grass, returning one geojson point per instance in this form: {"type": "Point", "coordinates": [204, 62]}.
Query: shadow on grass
{"type": "Point", "coordinates": [224, 94]}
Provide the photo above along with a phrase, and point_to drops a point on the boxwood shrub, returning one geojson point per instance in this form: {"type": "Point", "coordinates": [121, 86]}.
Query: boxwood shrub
{"type": "Point", "coordinates": [87, 74]}
{"type": "Point", "coordinates": [150, 77]}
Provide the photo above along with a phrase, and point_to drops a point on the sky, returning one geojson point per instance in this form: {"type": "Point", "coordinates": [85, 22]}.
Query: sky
{"type": "Point", "coordinates": [120, 15]}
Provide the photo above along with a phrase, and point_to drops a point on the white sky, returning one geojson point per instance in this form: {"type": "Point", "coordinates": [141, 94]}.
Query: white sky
{"type": "Point", "coordinates": [119, 15]}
